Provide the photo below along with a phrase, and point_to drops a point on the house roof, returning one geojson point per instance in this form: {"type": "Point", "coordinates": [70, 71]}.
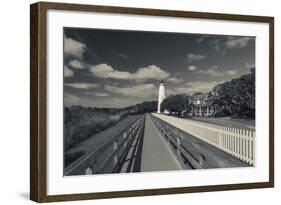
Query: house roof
{"type": "Point", "coordinates": [199, 96]}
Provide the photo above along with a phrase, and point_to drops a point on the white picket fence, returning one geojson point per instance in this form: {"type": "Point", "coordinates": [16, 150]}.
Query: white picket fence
{"type": "Point", "coordinates": [237, 142]}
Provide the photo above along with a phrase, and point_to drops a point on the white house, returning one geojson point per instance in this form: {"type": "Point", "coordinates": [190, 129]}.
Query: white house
{"type": "Point", "coordinates": [201, 105]}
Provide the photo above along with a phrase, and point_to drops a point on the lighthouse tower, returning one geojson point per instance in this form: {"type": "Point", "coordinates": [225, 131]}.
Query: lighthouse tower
{"type": "Point", "coordinates": [161, 96]}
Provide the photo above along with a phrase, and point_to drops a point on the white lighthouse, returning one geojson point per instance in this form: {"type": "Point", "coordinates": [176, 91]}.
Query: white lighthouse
{"type": "Point", "coordinates": [161, 96]}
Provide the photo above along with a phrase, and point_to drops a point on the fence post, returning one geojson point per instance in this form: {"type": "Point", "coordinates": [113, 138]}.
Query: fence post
{"type": "Point", "coordinates": [244, 144]}
{"type": "Point", "coordinates": [235, 142]}
{"type": "Point", "coordinates": [247, 146]}
{"type": "Point", "coordinates": [254, 151]}
{"type": "Point", "coordinates": [251, 147]}
{"type": "Point", "coordinates": [241, 143]}
{"type": "Point", "coordinates": [229, 140]}
{"type": "Point", "coordinates": [220, 136]}
{"type": "Point", "coordinates": [223, 138]}
{"type": "Point", "coordinates": [232, 141]}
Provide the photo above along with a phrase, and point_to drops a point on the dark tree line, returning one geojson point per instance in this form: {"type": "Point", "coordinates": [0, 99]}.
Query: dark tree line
{"type": "Point", "coordinates": [145, 107]}
{"type": "Point", "coordinates": [236, 97]}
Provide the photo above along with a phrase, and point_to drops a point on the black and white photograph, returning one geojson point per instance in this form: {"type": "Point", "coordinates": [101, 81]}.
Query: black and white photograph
{"type": "Point", "coordinates": [142, 101]}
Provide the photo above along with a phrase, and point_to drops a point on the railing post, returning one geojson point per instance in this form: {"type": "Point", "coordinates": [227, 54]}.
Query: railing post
{"type": "Point", "coordinates": [125, 140]}
{"type": "Point", "coordinates": [115, 146]}
{"type": "Point", "coordinates": [201, 160]}
{"type": "Point", "coordinates": [88, 171]}
{"type": "Point", "coordinates": [178, 146]}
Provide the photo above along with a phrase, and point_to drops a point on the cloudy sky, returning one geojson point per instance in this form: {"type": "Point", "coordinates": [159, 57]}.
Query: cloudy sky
{"type": "Point", "coordinates": [113, 68]}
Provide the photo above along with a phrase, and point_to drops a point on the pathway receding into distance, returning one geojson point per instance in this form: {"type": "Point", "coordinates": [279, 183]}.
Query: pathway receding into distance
{"type": "Point", "coordinates": [156, 155]}
{"type": "Point", "coordinates": [147, 150]}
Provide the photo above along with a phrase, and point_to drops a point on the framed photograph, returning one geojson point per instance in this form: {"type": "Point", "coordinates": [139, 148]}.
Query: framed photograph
{"type": "Point", "coordinates": [134, 102]}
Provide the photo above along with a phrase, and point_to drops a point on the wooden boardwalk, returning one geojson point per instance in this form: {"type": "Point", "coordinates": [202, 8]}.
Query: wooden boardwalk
{"type": "Point", "coordinates": [149, 152]}
{"type": "Point", "coordinates": [156, 155]}
{"type": "Point", "coordinates": [156, 142]}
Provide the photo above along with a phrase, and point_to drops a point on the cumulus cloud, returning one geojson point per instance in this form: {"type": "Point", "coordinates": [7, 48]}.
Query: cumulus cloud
{"type": "Point", "coordinates": [76, 64]}
{"type": "Point", "coordinates": [142, 74]}
{"type": "Point", "coordinates": [123, 56]}
{"type": "Point", "coordinates": [202, 86]}
{"type": "Point", "coordinates": [101, 94]}
{"type": "Point", "coordinates": [192, 67]}
{"type": "Point", "coordinates": [142, 90]}
{"type": "Point", "coordinates": [237, 42]}
{"type": "Point", "coordinates": [151, 72]}
{"type": "Point", "coordinates": [201, 39]}
{"type": "Point", "coordinates": [250, 65]}
{"type": "Point", "coordinates": [194, 57]}
{"type": "Point", "coordinates": [211, 72]}
{"type": "Point", "coordinates": [121, 102]}
{"type": "Point", "coordinates": [70, 99]}
{"type": "Point", "coordinates": [175, 80]}
{"type": "Point", "coordinates": [82, 85]}
{"type": "Point", "coordinates": [67, 72]}
{"type": "Point", "coordinates": [193, 87]}
{"type": "Point", "coordinates": [106, 71]}
{"type": "Point", "coordinates": [230, 43]}
{"type": "Point", "coordinates": [98, 94]}
{"type": "Point", "coordinates": [74, 48]}
{"type": "Point", "coordinates": [177, 90]}
{"type": "Point", "coordinates": [231, 72]}
{"type": "Point", "coordinates": [214, 72]}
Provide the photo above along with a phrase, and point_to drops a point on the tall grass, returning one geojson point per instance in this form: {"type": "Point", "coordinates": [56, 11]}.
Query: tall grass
{"type": "Point", "coordinates": [82, 123]}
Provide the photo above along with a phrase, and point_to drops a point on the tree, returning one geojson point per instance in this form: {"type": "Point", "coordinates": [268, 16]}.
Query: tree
{"type": "Point", "coordinates": [177, 104]}
{"type": "Point", "coordinates": [236, 97]}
